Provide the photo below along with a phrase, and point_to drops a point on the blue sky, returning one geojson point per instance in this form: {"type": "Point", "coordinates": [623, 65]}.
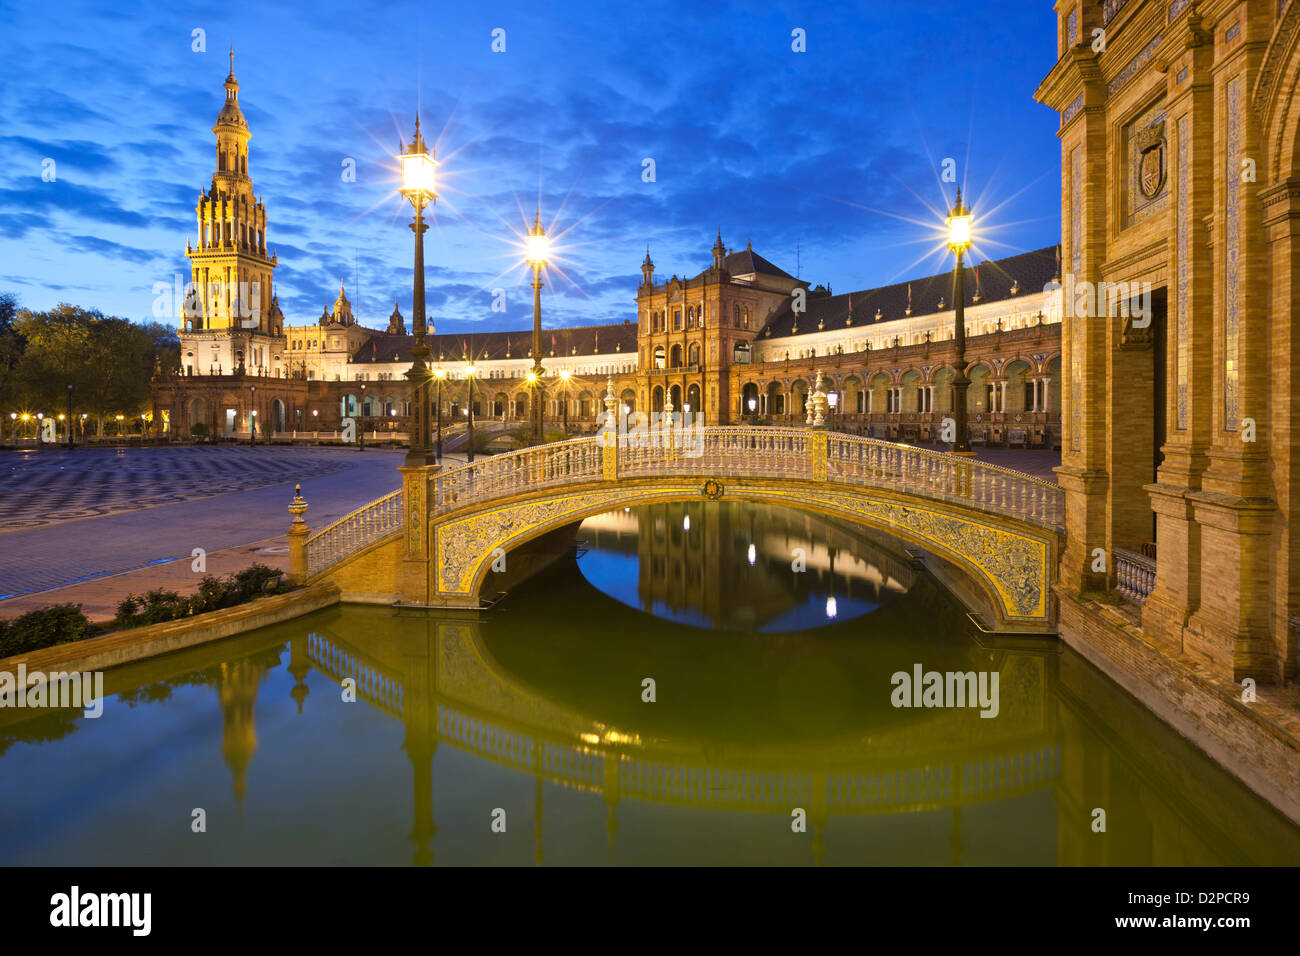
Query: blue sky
{"type": "Point", "coordinates": [829, 158]}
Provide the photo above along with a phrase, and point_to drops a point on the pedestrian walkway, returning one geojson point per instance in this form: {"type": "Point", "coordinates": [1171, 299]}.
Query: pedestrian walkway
{"type": "Point", "coordinates": [229, 513]}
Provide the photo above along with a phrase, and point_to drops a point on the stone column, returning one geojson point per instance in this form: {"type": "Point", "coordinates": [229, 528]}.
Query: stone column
{"type": "Point", "coordinates": [416, 576]}
{"type": "Point", "coordinates": [1189, 332]}
{"type": "Point", "coordinates": [1234, 505]}
{"type": "Point", "coordinates": [1083, 470]}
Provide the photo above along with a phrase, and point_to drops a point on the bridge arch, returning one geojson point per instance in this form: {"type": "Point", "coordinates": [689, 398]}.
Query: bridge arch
{"type": "Point", "coordinates": [999, 528]}
{"type": "Point", "coordinates": [1012, 596]}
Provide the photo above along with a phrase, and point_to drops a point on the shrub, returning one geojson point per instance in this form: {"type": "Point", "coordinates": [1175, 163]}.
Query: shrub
{"type": "Point", "coordinates": [213, 594]}
{"type": "Point", "coordinates": [57, 624]}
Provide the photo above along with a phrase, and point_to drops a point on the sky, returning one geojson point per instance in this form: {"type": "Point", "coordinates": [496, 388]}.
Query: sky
{"type": "Point", "coordinates": [830, 160]}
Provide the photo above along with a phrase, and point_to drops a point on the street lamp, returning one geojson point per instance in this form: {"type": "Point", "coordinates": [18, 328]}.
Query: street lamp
{"type": "Point", "coordinates": [959, 240]}
{"type": "Point", "coordinates": [69, 415]}
{"type": "Point", "coordinates": [439, 374]}
{"type": "Point", "coordinates": [470, 371]}
{"type": "Point", "coordinates": [418, 185]}
{"type": "Point", "coordinates": [565, 375]}
{"type": "Point", "coordinates": [252, 416]}
{"type": "Point", "coordinates": [538, 247]}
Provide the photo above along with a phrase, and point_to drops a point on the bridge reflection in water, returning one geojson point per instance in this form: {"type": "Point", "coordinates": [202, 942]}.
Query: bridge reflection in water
{"type": "Point", "coordinates": [537, 706]}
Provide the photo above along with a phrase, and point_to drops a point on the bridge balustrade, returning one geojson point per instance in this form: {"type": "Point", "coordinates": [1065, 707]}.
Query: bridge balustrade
{"type": "Point", "coordinates": [708, 452]}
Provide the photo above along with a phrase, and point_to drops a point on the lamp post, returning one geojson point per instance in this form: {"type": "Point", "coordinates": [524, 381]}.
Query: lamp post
{"type": "Point", "coordinates": [565, 375]}
{"type": "Point", "coordinates": [361, 415]}
{"type": "Point", "coordinates": [439, 374]}
{"type": "Point", "coordinates": [537, 251]}
{"type": "Point", "coordinates": [252, 416]}
{"type": "Point", "coordinates": [70, 416]}
{"type": "Point", "coordinates": [470, 372]}
{"type": "Point", "coordinates": [418, 167]}
{"type": "Point", "coordinates": [959, 240]}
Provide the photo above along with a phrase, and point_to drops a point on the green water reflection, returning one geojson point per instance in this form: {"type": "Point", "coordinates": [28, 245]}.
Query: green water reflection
{"type": "Point", "coordinates": [534, 714]}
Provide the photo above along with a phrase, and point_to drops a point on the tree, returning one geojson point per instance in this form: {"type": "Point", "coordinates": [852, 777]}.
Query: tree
{"type": "Point", "coordinates": [108, 361]}
{"type": "Point", "coordinates": [12, 344]}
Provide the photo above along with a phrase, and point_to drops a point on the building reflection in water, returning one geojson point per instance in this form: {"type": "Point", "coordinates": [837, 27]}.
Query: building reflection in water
{"type": "Point", "coordinates": [747, 723]}
{"type": "Point", "coordinates": [737, 566]}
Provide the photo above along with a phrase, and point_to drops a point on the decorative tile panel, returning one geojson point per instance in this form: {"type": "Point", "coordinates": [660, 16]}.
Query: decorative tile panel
{"type": "Point", "coordinates": [1183, 243]}
{"type": "Point", "coordinates": [1076, 323]}
{"type": "Point", "coordinates": [1069, 112]}
{"type": "Point", "coordinates": [1132, 66]}
{"type": "Point", "coordinates": [1232, 265]}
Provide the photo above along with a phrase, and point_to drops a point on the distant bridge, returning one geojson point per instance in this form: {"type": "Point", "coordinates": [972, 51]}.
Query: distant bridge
{"type": "Point", "coordinates": [434, 543]}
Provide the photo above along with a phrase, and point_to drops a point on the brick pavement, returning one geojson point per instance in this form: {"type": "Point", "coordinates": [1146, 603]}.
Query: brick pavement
{"type": "Point", "coordinates": [73, 551]}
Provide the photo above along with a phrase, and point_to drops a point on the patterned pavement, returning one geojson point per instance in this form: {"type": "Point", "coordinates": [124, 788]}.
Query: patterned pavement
{"type": "Point", "coordinates": [41, 488]}
{"type": "Point", "coordinates": [150, 506]}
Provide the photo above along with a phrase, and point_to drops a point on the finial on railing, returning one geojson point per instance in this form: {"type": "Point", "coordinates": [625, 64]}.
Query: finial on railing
{"type": "Point", "coordinates": [819, 403]}
{"type": "Point", "coordinates": [299, 507]}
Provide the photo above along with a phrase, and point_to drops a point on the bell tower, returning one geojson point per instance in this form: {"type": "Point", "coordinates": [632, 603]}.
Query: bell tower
{"type": "Point", "coordinates": [230, 266]}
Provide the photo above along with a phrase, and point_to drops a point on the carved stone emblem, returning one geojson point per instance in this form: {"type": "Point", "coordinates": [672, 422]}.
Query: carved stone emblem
{"type": "Point", "coordinates": [1152, 170]}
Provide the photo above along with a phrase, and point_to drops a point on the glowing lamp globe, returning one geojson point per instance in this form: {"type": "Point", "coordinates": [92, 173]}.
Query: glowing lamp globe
{"type": "Point", "coordinates": [418, 165]}
{"type": "Point", "coordinates": [959, 227]}
{"type": "Point", "coordinates": [538, 244]}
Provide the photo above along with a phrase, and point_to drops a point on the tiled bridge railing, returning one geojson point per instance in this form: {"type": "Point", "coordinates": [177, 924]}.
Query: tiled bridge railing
{"type": "Point", "coordinates": [713, 452]}
{"type": "Point", "coordinates": [757, 452]}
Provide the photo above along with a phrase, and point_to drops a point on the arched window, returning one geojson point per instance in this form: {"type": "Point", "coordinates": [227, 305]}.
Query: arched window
{"type": "Point", "coordinates": [736, 317]}
{"type": "Point", "coordinates": [693, 354]}
{"type": "Point", "coordinates": [659, 356]}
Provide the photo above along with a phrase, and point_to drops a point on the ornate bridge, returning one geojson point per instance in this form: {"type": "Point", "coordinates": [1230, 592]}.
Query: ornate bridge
{"type": "Point", "coordinates": [436, 542]}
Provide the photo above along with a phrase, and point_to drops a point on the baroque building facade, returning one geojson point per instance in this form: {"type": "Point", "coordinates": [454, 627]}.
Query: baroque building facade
{"type": "Point", "coordinates": [1180, 155]}
{"type": "Point", "coordinates": [741, 340]}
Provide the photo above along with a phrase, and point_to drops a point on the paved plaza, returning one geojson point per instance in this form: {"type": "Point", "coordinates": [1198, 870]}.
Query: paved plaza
{"type": "Point", "coordinates": [75, 518]}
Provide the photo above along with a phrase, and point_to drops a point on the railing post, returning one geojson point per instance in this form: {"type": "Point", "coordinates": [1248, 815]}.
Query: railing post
{"type": "Point", "coordinates": [297, 538]}
{"type": "Point", "coordinates": [817, 453]}
{"type": "Point", "coordinates": [414, 574]}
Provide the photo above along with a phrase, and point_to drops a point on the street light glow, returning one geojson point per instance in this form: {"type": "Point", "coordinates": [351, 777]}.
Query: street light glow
{"type": "Point", "coordinates": [538, 244]}
{"type": "Point", "coordinates": [959, 227]}
{"type": "Point", "coordinates": [418, 165]}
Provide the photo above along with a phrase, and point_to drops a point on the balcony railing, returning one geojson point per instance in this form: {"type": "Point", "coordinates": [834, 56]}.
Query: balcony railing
{"type": "Point", "coordinates": [1135, 574]}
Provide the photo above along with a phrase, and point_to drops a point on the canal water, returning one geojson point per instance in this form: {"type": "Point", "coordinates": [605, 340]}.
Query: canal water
{"type": "Point", "coordinates": [696, 684]}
